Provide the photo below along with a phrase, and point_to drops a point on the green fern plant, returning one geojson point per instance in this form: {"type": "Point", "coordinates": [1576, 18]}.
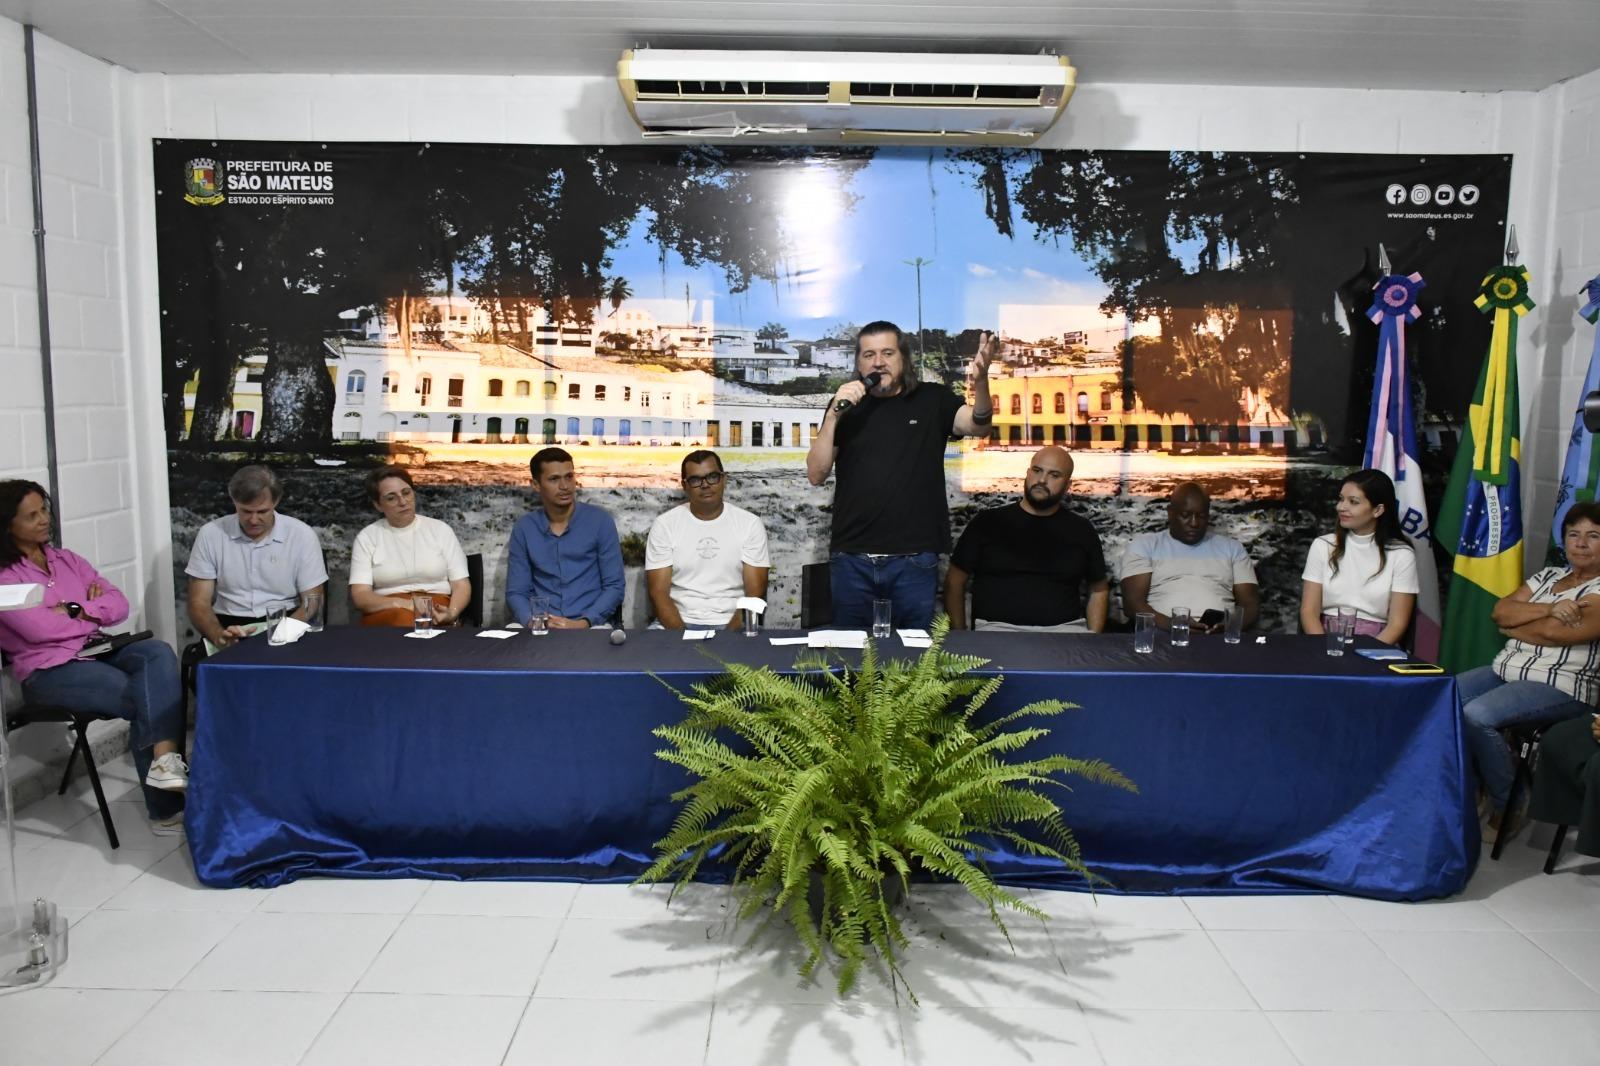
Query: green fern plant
{"type": "Point", "coordinates": [848, 780]}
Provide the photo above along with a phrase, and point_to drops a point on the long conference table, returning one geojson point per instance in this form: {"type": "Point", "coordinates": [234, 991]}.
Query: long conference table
{"type": "Point", "coordinates": [1262, 768]}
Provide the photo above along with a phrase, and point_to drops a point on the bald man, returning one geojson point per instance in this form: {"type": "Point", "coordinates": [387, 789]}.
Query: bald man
{"type": "Point", "coordinates": [1187, 565]}
{"type": "Point", "coordinates": [1032, 565]}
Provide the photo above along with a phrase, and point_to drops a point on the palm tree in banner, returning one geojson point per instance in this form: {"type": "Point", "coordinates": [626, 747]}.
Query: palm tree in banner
{"type": "Point", "coordinates": [618, 291]}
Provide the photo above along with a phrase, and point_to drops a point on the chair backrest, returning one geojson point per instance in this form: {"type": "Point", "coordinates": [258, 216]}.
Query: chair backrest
{"type": "Point", "coordinates": [473, 615]}
{"type": "Point", "coordinates": [816, 596]}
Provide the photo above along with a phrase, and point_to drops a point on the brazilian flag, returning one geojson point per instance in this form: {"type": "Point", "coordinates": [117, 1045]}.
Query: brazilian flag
{"type": "Point", "coordinates": [1480, 517]}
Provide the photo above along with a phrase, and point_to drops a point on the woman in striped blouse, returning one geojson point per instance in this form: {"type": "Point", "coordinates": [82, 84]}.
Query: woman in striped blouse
{"type": "Point", "coordinates": [1549, 668]}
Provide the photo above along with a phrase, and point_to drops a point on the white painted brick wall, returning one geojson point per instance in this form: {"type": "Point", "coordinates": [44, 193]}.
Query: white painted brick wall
{"type": "Point", "coordinates": [22, 397]}
{"type": "Point", "coordinates": [1563, 347]}
{"type": "Point", "coordinates": [78, 137]}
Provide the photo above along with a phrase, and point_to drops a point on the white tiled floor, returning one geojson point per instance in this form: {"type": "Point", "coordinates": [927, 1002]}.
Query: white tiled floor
{"type": "Point", "coordinates": [527, 974]}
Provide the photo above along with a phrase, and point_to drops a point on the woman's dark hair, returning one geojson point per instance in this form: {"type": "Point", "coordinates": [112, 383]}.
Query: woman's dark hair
{"type": "Point", "coordinates": [12, 493]}
{"type": "Point", "coordinates": [1379, 491]}
{"type": "Point", "coordinates": [1584, 509]}
{"type": "Point", "coordinates": [384, 473]}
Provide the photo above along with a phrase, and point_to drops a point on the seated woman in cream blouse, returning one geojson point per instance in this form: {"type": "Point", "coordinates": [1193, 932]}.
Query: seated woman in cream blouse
{"type": "Point", "coordinates": [403, 554]}
{"type": "Point", "coordinates": [1368, 564]}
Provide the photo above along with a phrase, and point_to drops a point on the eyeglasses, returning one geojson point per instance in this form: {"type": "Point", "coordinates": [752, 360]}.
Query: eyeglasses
{"type": "Point", "coordinates": [694, 481]}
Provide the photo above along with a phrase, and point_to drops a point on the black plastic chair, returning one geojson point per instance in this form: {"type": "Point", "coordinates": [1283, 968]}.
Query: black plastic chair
{"type": "Point", "coordinates": [1525, 739]}
{"type": "Point", "coordinates": [816, 596]}
{"type": "Point", "coordinates": [473, 615]}
{"type": "Point", "coordinates": [36, 713]}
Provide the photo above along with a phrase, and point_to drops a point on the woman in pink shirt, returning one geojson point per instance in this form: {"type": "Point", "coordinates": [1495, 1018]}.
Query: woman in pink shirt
{"type": "Point", "coordinates": [138, 682]}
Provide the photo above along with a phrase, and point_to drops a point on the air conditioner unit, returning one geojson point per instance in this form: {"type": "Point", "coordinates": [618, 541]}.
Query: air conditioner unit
{"type": "Point", "coordinates": [845, 96]}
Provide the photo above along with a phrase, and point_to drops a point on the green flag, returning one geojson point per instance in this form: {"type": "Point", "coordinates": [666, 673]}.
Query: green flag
{"type": "Point", "coordinates": [1480, 517]}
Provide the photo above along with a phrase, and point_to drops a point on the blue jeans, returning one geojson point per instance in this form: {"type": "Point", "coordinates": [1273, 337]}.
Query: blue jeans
{"type": "Point", "coordinates": [138, 682]}
{"type": "Point", "coordinates": [1489, 705]}
{"type": "Point", "coordinates": [911, 581]}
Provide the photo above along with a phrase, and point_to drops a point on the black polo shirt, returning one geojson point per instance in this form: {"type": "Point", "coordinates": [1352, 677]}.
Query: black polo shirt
{"type": "Point", "coordinates": [890, 495]}
{"type": "Point", "coordinates": [1027, 569]}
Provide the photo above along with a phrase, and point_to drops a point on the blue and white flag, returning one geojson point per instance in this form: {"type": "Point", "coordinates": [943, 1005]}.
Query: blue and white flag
{"type": "Point", "coordinates": [1580, 474]}
{"type": "Point", "coordinates": [1392, 443]}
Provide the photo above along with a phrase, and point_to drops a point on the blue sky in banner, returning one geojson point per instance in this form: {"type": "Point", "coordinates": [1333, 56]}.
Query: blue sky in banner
{"type": "Point", "coordinates": [848, 262]}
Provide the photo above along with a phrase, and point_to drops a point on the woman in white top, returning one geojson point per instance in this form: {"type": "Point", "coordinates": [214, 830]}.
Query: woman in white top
{"type": "Point", "coordinates": [405, 553]}
{"type": "Point", "coordinates": [1368, 564]}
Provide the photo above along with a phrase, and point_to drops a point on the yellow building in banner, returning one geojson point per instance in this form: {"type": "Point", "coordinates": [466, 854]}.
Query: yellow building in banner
{"type": "Point", "coordinates": [1082, 407]}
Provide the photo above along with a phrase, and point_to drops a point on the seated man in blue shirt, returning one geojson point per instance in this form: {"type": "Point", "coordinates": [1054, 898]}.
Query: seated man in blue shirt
{"type": "Point", "coordinates": [565, 551]}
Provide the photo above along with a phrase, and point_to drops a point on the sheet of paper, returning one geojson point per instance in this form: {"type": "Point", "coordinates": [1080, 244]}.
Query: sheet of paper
{"type": "Point", "coordinates": [915, 638]}
{"type": "Point", "coordinates": [699, 634]}
{"type": "Point", "coordinates": [16, 597]}
{"type": "Point", "coordinates": [838, 638]}
{"type": "Point", "coordinates": [425, 634]}
{"type": "Point", "coordinates": [789, 640]}
{"type": "Point", "coordinates": [497, 634]}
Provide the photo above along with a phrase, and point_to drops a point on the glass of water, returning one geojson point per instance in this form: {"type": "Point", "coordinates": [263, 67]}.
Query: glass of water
{"type": "Point", "coordinates": [1144, 632]}
{"type": "Point", "coordinates": [1233, 625]}
{"type": "Point", "coordinates": [1346, 618]}
{"type": "Point", "coordinates": [421, 612]}
{"type": "Point", "coordinates": [1179, 619]}
{"type": "Point", "coordinates": [539, 621]}
{"type": "Point", "coordinates": [882, 619]}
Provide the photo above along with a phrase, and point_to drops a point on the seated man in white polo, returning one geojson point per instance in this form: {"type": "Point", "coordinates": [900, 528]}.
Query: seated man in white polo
{"type": "Point", "coordinates": [251, 562]}
{"type": "Point", "coordinates": [1187, 565]}
{"type": "Point", "coordinates": [702, 556]}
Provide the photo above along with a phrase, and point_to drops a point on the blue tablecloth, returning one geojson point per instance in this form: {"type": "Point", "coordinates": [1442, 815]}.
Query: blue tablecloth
{"type": "Point", "coordinates": [1261, 768]}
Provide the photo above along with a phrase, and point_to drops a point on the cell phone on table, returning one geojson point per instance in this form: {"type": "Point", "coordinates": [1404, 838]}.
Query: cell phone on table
{"type": "Point", "coordinates": [1213, 617]}
{"type": "Point", "coordinates": [1416, 668]}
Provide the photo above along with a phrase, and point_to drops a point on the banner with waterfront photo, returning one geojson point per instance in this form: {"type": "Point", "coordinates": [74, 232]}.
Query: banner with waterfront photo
{"type": "Point", "coordinates": [1167, 316]}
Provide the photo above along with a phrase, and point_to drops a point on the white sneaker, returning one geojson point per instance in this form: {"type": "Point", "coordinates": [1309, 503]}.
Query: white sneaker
{"type": "Point", "coordinates": [168, 827]}
{"type": "Point", "coordinates": [168, 772]}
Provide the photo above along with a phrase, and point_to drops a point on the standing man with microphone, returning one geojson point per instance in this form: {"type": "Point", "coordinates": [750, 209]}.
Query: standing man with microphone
{"type": "Point", "coordinates": [886, 433]}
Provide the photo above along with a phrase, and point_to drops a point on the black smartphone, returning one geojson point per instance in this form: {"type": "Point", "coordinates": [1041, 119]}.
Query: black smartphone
{"type": "Point", "coordinates": [1212, 617]}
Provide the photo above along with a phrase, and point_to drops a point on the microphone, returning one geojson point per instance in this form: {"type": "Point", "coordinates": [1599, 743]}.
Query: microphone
{"type": "Point", "coordinates": [618, 637]}
{"type": "Point", "coordinates": [870, 381]}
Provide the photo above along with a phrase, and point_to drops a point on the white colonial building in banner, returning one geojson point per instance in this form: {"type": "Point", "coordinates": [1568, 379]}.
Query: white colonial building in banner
{"type": "Point", "coordinates": [466, 392]}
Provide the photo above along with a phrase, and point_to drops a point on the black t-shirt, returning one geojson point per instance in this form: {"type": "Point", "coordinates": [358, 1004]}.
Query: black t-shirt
{"type": "Point", "coordinates": [1027, 569]}
{"type": "Point", "coordinates": [890, 496]}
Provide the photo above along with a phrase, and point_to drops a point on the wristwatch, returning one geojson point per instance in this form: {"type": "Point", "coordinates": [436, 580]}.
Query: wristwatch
{"type": "Point", "coordinates": [73, 609]}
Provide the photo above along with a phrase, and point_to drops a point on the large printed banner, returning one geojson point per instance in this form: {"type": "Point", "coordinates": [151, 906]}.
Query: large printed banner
{"type": "Point", "coordinates": [1166, 316]}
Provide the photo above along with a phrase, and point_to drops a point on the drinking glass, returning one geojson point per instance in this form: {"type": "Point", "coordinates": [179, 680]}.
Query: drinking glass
{"type": "Point", "coordinates": [752, 623]}
{"type": "Point", "coordinates": [1333, 634]}
{"type": "Point", "coordinates": [421, 612]}
{"type": "Point", "coordinates": [274, 618]}
{"type": "Point", "coordinates": [1179, 620]}
{"type": "Point", "coordinates": [539, 621]}
{"type": "Point", "coordinates": [1233, 627]}
{"type": "Point", "coordinates": [311, 610]}
{"type": "Point", "coordinates": [1144, 632]}
{"type": "Point", "coordinates": [882, 619]}
{"type": "Point", "coordinates": [1346, 617]}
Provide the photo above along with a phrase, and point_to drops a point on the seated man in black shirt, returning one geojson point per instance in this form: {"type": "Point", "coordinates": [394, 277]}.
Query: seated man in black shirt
{"type": "Point", "coordinates": [1031, 562]}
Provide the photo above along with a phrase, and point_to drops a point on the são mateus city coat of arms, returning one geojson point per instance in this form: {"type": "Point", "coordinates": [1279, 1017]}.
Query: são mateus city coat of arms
{"type": "Point", "coordinates": [202, 182]}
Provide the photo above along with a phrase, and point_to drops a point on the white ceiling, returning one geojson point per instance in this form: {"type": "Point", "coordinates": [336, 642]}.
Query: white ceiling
{"type": "Point", "coordinates": [1482, 45]}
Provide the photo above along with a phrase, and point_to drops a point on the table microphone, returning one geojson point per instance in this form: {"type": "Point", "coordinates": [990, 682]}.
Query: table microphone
{"type": "Point", "coordinates": [618, 637]}
{"type": "Point", "coordinates": [870, 381]}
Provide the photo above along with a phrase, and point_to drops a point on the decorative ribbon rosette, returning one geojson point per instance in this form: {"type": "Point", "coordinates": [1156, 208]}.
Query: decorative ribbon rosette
{"type": "Point", "coordinates": [1505, 296]}
{"type": "Point", "coordinates": [1505, 289]}
{"type": "Point", "coordinates": [1396, 298]}
{"type": "Point", "coordinates": [1591, 292]}
{"type": "Point", "coordinates": [1394, 304]}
